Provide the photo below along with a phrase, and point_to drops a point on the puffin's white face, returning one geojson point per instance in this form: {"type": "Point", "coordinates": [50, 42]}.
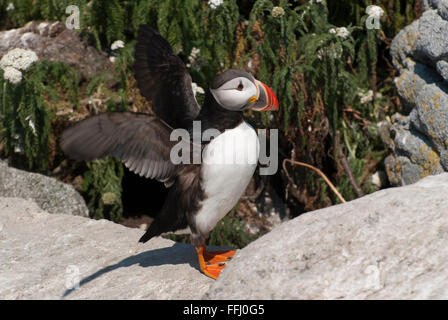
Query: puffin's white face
{"type": "Point", "coordinates": [236, 94]}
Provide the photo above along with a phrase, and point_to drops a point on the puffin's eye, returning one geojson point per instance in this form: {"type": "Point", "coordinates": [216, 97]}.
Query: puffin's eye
{"type": "Point", "coordinates": [240, 87]}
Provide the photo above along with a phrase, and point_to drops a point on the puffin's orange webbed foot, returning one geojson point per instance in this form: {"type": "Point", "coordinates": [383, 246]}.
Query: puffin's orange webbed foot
{"type": "Point", "coordinates": [213, 262]}
{"type": "Point", "coordinates": [218, 256]}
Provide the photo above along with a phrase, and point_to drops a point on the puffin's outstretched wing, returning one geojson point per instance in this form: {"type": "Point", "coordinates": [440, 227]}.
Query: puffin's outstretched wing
{"type": "Point", "coordinates": [163, 78]}
{"type": "Point", "coordinates": [141, 141]}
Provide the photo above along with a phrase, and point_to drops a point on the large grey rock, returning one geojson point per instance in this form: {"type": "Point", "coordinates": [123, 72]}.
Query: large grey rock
{"type": "Point", "coordinates": [54, 42]}
{"type": "Point", "coordinates": [433, 35]}
{"type": "Point", "coordinates": [44, 256]}
{"type": "Point", "coordinates": [403, 46]}
{"type": "Point", "coordinates": [50, 194]}
{"type": "Point", "coordinates": [392, 244]}
{"type": "Point", "coordinates": [430, 117]}
{"type": "Point", "coordinates": [419, 139]}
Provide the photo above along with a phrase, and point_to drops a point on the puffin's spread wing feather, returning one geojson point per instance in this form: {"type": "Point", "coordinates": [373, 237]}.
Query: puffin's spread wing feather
{"type": "Point", "coordinates": [141, 141]}
{"type": "Point", "coordinates": [162, 77]}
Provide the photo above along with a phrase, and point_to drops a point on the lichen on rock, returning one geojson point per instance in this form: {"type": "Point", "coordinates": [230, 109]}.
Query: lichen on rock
{"type": "Point", "coordinates": [418, 138]}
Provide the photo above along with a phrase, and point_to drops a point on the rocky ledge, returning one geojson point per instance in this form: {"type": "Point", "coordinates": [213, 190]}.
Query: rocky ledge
{"type": "Point", "coordinates": [392, 244]}
{"type": "Point", "coordinates": [56, 256]}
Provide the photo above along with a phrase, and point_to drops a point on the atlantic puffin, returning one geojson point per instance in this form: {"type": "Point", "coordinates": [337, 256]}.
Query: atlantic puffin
{"type": "Point", "coordinates": [200, 194]}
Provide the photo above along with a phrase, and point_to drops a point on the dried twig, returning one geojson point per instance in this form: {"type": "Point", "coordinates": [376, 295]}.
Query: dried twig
{"type": "Point", "coordinates": [350, 175]}
{"type": "Point", "coordinates": [318, 171]}
{"type": "Point", "coordinates": [347, 168]}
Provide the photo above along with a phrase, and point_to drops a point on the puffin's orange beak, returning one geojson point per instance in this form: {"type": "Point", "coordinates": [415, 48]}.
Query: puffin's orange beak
{"type": "Point", "coordinates": [266, 101]}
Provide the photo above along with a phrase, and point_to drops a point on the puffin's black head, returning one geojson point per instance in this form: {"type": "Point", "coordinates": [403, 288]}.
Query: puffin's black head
{"type": "Point", "coordinates": [237, 90]}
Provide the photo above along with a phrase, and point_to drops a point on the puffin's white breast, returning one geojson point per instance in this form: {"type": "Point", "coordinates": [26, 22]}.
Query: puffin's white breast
{"type": "Point", "coordinates": [229, 162]}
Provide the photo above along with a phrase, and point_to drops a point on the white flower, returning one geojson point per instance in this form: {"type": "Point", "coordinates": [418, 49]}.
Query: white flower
{"type": "Point", "coordinates": [193, 57]}
{"type": "Point", "coordinates": [12, 75]}
{"type": "Point", "coordinates": [250, 64]}
{"type": "Point", "coordinates": [379, 179]}
{"type": "Point", "coordinates": [18, 149]}
{"type": "Point", "coordinates": [213, 4]}
{"type": "Point", "coordinates": [20, 59]}
{"type": "Point", "coordinates": [367, 97]}
{"type": "Point", "coordinates": [342, 32]}
{"type": "Point", "coordinates": [117, 45]}
{"type": "Point", "coordinates": [375, 11]}
{"type": "Point", "coordinates": [195, 52]}
{"type": "Point", "coordinates": [112, 59]}
{"type": "Point", "coordinates": [10, 7]}
{"type": "Point", "coordinates": [31, 124]}
{"type": "Point", "coordinates": [196, 88]}
{"type": "Point", "coordinates": [332, 52]}
{"type": "Point", "coordinates": [278, 12]}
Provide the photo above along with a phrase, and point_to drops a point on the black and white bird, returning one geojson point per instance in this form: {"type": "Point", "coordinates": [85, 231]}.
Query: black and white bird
{"type": "Point", "coordinates": [200, 194]}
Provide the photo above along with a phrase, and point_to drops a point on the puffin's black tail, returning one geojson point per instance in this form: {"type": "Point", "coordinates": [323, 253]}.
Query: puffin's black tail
{"type": "Point", "coordinates": [170, 218]}
{"type": "Point", "coordinates": [148, 235]}
{"type": "Point", "coordinates": [161, 225]}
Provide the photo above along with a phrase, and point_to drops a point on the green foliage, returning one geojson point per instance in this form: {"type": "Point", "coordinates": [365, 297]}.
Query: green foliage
{"type": "Point", "coordinates": [102, 189]}
{"type": "Point", "coordinates": [22, 13]}
{"type": "Point", "coordinates": [399, 13]}
{"type": "Point", "coordinates": [106, 21]}
{"type": "Point", "coordinates": [218, 34]}
{"type": "Point", "coordinates": [24, 124]}
{"type": "Point", "coordinates": [124, 59]}
{"type": "Point", "coordinates": [177, 21]}
{"type": "Point", "coordinates": [55, 79]}
{"type": "Point", "coordinates": [25, 114]}
{"type": "Point", "coordinates": [27, 10]}
{"type": "Point", "coordinates": [96, 83]}
{"type": "Point", "coordinates": [192, 24]}
{"type": "Point", "coordinates": [230, 232]}
{"type": "Point", "coordinates": [275, 43]}
{"type": "Point", "coordinates": [318, 71]}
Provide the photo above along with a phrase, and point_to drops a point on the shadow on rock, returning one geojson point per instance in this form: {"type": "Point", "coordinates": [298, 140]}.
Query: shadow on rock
{"type": "Point", "coordinates": [179, 253]}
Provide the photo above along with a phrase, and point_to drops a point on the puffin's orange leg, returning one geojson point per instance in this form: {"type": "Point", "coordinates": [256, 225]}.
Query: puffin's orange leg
{"type": "Point", "coordinates": [212, 268]}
